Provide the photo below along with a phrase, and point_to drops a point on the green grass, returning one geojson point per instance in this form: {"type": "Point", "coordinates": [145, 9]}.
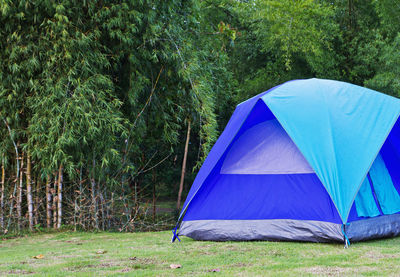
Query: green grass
{"type": "Point", "coordinates": [150, 254]}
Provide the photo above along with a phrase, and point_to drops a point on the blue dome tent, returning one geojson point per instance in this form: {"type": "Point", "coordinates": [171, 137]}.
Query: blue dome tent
{"type": "Point", "coordinates": [308, 160]}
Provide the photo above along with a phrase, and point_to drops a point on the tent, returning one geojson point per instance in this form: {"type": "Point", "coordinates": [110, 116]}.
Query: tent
{"type": "Point", "coordinates": [309, 160]}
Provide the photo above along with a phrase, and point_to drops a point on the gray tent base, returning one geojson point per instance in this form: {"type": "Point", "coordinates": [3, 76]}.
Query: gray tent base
{"type": "Point", "coordinates": [374, 228]}
{"type": "Point", "coordinates": [291, 230]}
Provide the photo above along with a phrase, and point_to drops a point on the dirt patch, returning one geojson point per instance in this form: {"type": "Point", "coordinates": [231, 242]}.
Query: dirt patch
{"type": "Point", "coordinates": [80, 267]}
{"type": "Point", "coordinates": [103, 264]}
{"type": "Point", "coordinates": [143, 261]}
{"type": "Point", "coordinates": [204, 246]}
{"type": "Point", "coordinates": [241, 265]}
{"type": "Point", "coordinates": [326, 270]}
{"type": "Point", "coordinates": [205, 253]}
{"type": "Point", "coordinates": [74, 241]}
{"type": "Point", "coordinates": [126, 269]}
{"type": "Point", "coordinates": [233, 248]}
{"type": "Point", "coordinates": [20, 272]}
{"type": "Point", "coordinates": [111, 264]}
{"type": "Point", "coordinates": [276, 253]}
{"type": "Point", "coordinates": [377, 256]}
{"type": "Point", "coordinates": [83, 267]}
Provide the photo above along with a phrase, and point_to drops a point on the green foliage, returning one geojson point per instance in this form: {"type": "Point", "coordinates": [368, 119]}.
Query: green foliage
{"type": "Point", "coordinates": [296, 28]}
{"type": "Point", "coordinates": [387, 77]}
{"type": "Point", "coordinates": [107, 88]}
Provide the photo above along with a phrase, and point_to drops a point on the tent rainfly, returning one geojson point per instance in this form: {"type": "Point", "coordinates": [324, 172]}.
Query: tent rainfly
{"type": "Point", "coordinates": [309, 160]}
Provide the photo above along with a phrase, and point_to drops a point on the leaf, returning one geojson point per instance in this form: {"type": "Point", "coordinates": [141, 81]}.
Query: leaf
{"type": "Point", "coordinates": [175, 266]}
{"type": "Point", "coordinates": [40, 256]}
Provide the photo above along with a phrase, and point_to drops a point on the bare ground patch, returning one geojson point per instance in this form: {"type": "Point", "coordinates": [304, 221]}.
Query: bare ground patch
{"type": "Point", "coordinates": [276, 253]}
{"type": "Point", "coordinates": [326, 270]}
{"type": "Point", "coordinates": [236, 247]}
{"type": "Point", "coordinates": [126, 269]}
{"type": "Point", "coordinates": [242, 265]}
{"type": "Point", "coordinates": [377, 255]}
{"type": "Point", "coordinates": [144, 261]}
{"type": "Point", "coordinates": [336, 270]}
{"type": "Point", "coordinates": [20, 272]}
{"type": "Point", "coordinates": [79, 268]}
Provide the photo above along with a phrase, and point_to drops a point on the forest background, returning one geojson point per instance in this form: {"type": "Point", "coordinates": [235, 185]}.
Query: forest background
{"type": "Point", "coordinates": [108, 108]}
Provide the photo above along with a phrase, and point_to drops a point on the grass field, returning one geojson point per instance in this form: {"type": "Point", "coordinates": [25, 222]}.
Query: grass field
{"type": "Point", "coordinates": [150, 254]}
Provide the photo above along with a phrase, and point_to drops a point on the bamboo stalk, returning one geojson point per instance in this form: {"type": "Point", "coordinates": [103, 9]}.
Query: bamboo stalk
{"type": "Point", "coordinates": [48, 202]}
{"type": "Point", "coordinates": [102, 209]}
{"type": "Point", "coordinates": [107, 209]}
{"type": "Point", "coordinates": [154, 195]}
{"type": "Point", "coordinates": [59, 196]}
{"type": "Point", "coordinates": [80, 200]}
{"type": "Point", "coordinates": [3, 179]}
{"type": "Point", "coordinates": [11, 206]}
{"type": "Point", "coordinates": [29, 191]}
{"type": "Point", "coordinates": [54, 207]}
{"type": "Point", "coordinates": [112, 205]}
{"type": "Point", "coordinates": [36, 202]}
{"type": "Point", "coordinates": [178, 205]}
{"type": "Point", "coordinates": [17, 174]}
{"type": "Point", "coordinates": [19, 194]}
{"type": "Point", "coordinates": [77, 195]}
{"type": "Point", "coordinates": [94, 202]}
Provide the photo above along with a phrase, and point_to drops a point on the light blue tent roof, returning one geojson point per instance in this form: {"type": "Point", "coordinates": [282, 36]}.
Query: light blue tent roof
{"type": "Point", "coordinates": [338, 127]}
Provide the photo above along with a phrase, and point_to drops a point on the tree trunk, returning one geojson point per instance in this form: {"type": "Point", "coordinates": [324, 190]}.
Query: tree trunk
{"type": "Point", "coordinates": [136, 209]}
{"type": "Point", "coordinates": [154, 196]}
{"type": "Point", "coordinates": [94, 204]}
{"type": "Point", "coordinates": [3, 179]}
{"type": "Point", "coordinates": [102, 209]}
{"type": "Point", "coordinates": [17, 175]}
{"type": "Point", "coordinates": [75, 211]}
{"type": "Point", "coordinates": [59, 196]}
{"type": "Point", "coordinates": [107, 204]}
{"type": "Point", "coordinates": [93, 190]}
{"type": "Point", "coordinates": [112, 208]}
{"type": "Point", "coordinates": [48, 202]}
{"type": "Point", "coordinates": [81, 222]}
{"type": "Point", "coordinates": [178, 205]}
{"type": "Point", "coordinates": [29, 191]}
{"type": "Point", "coordinates": [37, 202]}
{"type": "Point", "coordinates": [19, 194]}
{"type": "Point", "coordinates": [11, 205]}
{"type": "Point", "coordinates": [54, 207]}
{"type": "Point", "coordinates": [77, 195]}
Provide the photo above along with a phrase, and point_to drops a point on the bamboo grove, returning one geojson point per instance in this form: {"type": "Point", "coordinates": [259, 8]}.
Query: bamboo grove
{"type": "Point", "coordinates": [108, 108]}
